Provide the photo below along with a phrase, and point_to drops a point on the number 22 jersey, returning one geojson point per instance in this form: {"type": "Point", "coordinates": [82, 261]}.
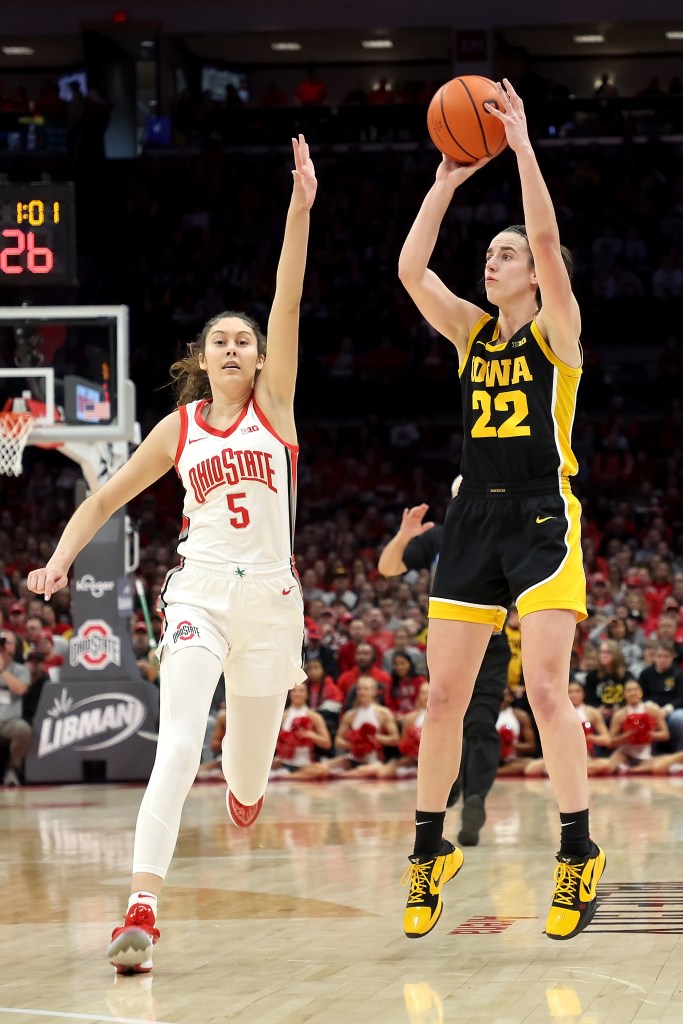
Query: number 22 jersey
{"type": "Point", "coordinates": [240, 488]}
{"type": "Point", "coordinates": [519, 401]}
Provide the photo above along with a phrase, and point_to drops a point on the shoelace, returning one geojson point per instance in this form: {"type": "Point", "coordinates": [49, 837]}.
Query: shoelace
{"type": "Point", "coordinates": [567, 877]}
{"type": "Point", "coordinates": [142, 916]}
{"type": "Point", "coordinates": [417, 876]}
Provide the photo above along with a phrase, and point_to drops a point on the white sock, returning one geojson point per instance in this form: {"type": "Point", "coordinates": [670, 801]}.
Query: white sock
{"type": "Point", "coordinates": [148, 898]}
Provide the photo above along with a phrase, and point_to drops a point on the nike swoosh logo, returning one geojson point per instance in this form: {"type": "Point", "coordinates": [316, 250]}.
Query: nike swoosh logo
{"type": "Point", "coordinates": [193, 440]}
{"type": "Point", "coordinates": [434, 882]}
{"type": "Point", "coordinates": [493, 346]}
{"type": "Point", "coordinates": [544, 519]}
{"type": "Point", "coordinates": [288, 591]}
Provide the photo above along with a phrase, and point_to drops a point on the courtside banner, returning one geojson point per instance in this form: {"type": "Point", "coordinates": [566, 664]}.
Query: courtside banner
{"type": "Point", "coordinates": [84, 730]}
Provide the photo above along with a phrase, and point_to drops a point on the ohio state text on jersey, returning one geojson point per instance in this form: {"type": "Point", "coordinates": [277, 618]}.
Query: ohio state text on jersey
{"type": "Point", "coordinates": [240, 488]}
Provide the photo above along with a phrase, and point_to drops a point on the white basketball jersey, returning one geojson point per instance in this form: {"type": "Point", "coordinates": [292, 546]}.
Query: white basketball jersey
{"type": "Point", "coordinates": [240, 488]}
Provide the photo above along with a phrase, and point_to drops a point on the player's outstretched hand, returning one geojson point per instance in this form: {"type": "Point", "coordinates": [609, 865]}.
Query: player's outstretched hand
{"type": "Point", "coordinates": [305, 183]}
{"type": "Point", "coordinates": [511, 112]}
{"type": "Point", "coordinates": [48, 580]}
{"type": "Point", "coordinates": [411, 521]}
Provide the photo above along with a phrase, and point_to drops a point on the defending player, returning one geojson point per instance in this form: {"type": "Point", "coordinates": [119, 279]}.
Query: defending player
{"type": "Point", "coordinates": [234, 603]}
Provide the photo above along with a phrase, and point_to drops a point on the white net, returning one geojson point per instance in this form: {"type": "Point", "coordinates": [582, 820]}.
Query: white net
{"type": "Point", "coordinates": [15, 428]}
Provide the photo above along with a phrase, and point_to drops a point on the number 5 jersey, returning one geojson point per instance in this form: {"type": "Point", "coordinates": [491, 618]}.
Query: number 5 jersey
{"type": "Point", "coordinates": [240, 488]}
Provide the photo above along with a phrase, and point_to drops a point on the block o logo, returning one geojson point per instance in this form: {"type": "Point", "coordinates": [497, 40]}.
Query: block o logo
{"type": "Point", "coordinates": [95, 646]}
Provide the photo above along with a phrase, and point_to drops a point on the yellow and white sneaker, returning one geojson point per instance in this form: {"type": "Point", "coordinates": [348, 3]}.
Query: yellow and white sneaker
{"type": "Point", "coordinates": [426, 877]}
{"type": "Point", "coordinates": [575, 897]}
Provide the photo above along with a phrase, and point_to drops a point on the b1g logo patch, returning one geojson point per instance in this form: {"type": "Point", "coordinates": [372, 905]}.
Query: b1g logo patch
{"type": "Point", "coordinates": [95, 646]}
{"type": "Point", "coordinates": [185, 631]}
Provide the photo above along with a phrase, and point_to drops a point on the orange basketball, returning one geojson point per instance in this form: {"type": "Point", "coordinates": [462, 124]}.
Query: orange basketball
{"type": "Point", "coordinates": [459, 124]}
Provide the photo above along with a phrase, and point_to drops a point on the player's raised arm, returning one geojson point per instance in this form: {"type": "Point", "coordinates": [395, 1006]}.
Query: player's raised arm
{"type": "Point", "coordinates": [559, 318]}
{"type": "Point", "coordinates": [451, 316]}
{"type": "Point", "coordinates": [278, 376]}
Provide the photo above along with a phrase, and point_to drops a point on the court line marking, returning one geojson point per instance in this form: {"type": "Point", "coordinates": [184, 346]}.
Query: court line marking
{"type": "Point", "coordinates": [79, 1016]}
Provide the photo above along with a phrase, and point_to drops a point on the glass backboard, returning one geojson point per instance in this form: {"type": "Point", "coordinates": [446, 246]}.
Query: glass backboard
{"type": "Point", "coordinates": [69, 366]}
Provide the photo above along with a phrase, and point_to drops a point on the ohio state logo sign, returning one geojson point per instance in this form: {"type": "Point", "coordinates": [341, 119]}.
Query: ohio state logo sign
{"type": "Point", "coordinates": [95, 646]}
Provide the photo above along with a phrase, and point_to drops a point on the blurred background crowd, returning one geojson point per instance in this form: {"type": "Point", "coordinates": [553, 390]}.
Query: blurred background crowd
{"type": "Point", "coordinates": [182, 232]}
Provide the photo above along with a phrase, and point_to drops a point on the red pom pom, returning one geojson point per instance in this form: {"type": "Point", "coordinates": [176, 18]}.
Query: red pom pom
{"type": "Point", "coordinates": [299, 726]}
{"type": "Point", "coordinates": [639, 728]}
{"type": "Point", "coordinates": [362, 741]}
{"type": "Point", "coordinates": [286, 745]}
{"type": "Point", "coordinates": [410, 742]}
{"type": "Point", "coordinates": [507, 741]}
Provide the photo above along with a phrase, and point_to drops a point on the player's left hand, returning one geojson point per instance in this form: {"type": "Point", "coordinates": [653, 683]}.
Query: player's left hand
{"type": "Point", "coordinates": [411, 521]}
{"type": "Point", "coordinates": [305, 183]}
{"type": "Point", "coordinates": [511, 112]}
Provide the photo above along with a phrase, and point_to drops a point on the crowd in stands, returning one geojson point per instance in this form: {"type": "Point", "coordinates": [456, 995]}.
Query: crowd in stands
{"type": "Point", "coordinates": [390, 110]}
{"type": "Point", "coordinates": [378, 401]}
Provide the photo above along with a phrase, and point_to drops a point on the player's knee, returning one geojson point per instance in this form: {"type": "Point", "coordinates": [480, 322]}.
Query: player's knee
{"type": "Point", "coordinates": [547, 696]}
{"type": "Point", "coordinates": [183, 754]}
{"type": "Point", "coordinates": [443, 702]}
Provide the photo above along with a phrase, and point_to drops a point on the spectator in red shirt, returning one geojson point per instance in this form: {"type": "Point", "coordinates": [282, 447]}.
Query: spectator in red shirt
{"type": "Point", "coordinates": [321, 687]}
{"type": "Point", "coordinates": [641, 580]}
{"type": "Point", "coordinates": [16, 618]}
{"type": "Point", "coordinates": [600, 593]}
{"type": "Point", "coordinates": [661, 579]}
{"type": "Point", "coordinates": [405, 686]}
{"type": "Point", "coordinates": [381, 638]}
{"type": "Point", "coordinates": [52, 662]}
{"type": "Point", "coordinates": [311, 92]}
{"type": "Point", "coordinates": [366, 665]}
{"type": "Point", "coordinates": [346, 655]}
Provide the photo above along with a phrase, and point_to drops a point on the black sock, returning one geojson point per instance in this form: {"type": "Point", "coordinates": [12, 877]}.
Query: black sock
{"type": "Point", "coordinates": [428, 832]}
{"type": "Point", "coordinates": [575, 838]}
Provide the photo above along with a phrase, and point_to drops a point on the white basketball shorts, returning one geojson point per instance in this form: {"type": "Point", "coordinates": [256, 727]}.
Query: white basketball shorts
{"type": "Point", "coordinates": [250, 616]}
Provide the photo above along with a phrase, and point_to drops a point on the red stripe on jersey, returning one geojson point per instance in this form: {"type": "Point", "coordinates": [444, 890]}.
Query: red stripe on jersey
{"type": "Point", "coordinates": [182, 409]}
{"type": "Point", "coordinates": [260, 414]}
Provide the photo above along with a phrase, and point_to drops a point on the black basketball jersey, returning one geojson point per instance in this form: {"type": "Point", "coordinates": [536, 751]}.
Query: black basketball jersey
{"type": "Point", "coordinates": [518, 406]}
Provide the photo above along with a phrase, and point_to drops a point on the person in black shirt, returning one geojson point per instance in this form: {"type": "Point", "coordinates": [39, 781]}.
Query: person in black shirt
{"type": "Point", "coordinates": [662, 683]}
{"type": "Point", "coordinates": [38, 677]}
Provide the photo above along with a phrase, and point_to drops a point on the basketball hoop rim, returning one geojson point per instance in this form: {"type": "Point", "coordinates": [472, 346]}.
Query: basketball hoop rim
{"type": "Point", "coordinates": [9, 418]}
{"type": "Point", "coordinates": [15, 428]}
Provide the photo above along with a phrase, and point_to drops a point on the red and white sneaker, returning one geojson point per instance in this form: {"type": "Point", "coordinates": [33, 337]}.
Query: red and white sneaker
{"type": "Point", "coordinates": [130, 949]}
{"type": "Point", "coordinates": [242, 815]}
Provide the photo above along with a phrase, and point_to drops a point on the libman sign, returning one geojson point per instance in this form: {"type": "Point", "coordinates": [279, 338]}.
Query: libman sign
{"type": "Point", "coordinates": [102, 730]}
{"type": "Point", "coordinates": [93, 723]}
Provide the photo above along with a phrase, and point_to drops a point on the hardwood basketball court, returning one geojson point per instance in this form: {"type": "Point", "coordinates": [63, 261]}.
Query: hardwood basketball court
{"type": "Point", "coordinates": [299, 919]}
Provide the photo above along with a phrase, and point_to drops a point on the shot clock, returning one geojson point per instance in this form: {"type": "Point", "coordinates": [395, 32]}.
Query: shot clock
{"type": "Point", "coordinates": [37, 234]}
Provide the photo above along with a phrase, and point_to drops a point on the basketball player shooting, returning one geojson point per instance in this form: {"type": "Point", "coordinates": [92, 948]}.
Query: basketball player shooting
{"type": "Point", "coordinates": [512, 534]}
{"type": "Point", "coordinates": [234, 603]}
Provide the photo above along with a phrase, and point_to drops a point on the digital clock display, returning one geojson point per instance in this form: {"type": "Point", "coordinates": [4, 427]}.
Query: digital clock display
{"type": "Point", "coordinates": [37, 234]}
